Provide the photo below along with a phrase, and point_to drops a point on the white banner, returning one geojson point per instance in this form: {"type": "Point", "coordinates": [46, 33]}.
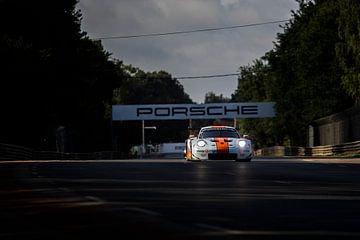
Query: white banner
{"type": "Point", "coordinates": [193, 111]}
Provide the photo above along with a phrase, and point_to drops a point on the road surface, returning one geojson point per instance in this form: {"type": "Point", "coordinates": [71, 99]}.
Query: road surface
{"type": "Point", "coordinates": [174, 199]}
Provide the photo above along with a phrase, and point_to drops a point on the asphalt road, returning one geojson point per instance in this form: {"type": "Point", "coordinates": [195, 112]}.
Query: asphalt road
{"type": "Point", "coordinates": [174, 199]}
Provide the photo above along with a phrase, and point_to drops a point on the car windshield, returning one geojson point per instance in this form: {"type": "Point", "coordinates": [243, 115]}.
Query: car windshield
{"type": "Point", "coordinates": [220, 133]}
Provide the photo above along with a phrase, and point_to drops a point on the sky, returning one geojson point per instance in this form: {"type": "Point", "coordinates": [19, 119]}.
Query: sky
{"type": "Point", "coordinates": [193, 54]}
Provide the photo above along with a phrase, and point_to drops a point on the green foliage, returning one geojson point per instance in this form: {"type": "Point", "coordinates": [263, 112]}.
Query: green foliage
{"type": "Point", "coordinates": [251, 83]}
{"type": "Point", "coordinates": [253, 87]}
{"type": "Point", "coordinates": [348, 50]}
{"type": "Point", "coordinates": [52, 75]}
{"type": "Point", "coordinates": [306, 73]}
{"type": "Point", "coordinates": [211, 97]}
{"type": "Point", "coordinates": [301, 74]}
{"type": "Point", "coordinates": [139, 87]}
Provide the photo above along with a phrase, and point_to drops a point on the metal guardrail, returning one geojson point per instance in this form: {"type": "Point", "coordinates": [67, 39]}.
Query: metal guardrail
{"type": "Point", "coordinates": [346, 149]}
{"type": "Point", "coordinates": [352, 148]}
{"type": "Point", "coordinates": [9, 152]}
{"type": "Point", "coordinates": [13, 152]}
{"type": "Point", "coordinates": [279, 151]}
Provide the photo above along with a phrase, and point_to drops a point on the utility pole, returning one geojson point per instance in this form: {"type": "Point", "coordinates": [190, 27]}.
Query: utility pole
{"type": "Point", "coordinates": [143, 139]}
{"type": "Point", "coordinates": [143, 147]}
{"type": "Point", "coordinates": [190, 127]}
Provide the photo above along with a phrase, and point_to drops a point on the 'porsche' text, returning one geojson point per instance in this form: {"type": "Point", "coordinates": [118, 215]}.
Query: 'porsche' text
{"type": "Point", "coordinates": [197, 111]}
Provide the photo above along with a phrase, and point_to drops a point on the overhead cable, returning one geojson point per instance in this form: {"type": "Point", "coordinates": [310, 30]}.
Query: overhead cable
{"type": "Point", "coordinates": [186, 77]}
{"type": "Point", "coordinates": [208, 76]}
{"type": "Point", "coordinates": [190, 31]}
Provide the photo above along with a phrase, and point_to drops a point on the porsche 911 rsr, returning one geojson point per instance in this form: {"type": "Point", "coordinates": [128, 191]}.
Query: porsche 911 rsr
{"type": "Point", "coordinates": [218, 142]}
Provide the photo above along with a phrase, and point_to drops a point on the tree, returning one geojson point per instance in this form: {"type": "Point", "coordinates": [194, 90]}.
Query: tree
{"type": "Point", "coordinates": [52, 75]}
{"type": "Point", "coordinates": [348, 49]}
{"type": "Point", "coordinates": [306, 73]}
{"type": "Point", "coordinates": [211, 97]}
{"type": "Point", "coordinates": [253, 87]}
{"type": "Point", "coordinates": [301, 74]}
{"type": "Point", "coordinates": [139, 87]}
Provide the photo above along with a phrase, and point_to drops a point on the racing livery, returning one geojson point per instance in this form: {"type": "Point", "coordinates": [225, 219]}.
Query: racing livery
{"type": "Point", "coordinates": [218, 142]}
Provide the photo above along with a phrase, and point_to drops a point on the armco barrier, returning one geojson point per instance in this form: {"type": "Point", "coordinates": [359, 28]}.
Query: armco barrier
{"type": "Point", "coordinates": [9, 152]}
{"type": "Point", "coordinates": [13, 152]}
{"type": "Point", "coordinates": [279, 151]}
{"type": "Point", "coordinates": [346, 149]}
{"type": "Point", "coordinates": [352, 148]}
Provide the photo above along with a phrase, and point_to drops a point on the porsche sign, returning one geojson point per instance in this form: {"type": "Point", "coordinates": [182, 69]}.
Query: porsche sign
{"type": "Point", "coordinates": [192, 111]}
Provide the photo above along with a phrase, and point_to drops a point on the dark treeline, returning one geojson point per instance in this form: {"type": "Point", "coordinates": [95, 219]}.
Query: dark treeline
{"type": "Point", "coordinates": [57, 84]}
{"type": "Point", "coordinates": [139, 87]}
{"type": "Point", "coordinates": [313, 71]}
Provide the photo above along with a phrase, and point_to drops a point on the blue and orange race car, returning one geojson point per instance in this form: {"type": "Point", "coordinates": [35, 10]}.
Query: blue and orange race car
{"type": "Point", "coordinates": [218, 142]}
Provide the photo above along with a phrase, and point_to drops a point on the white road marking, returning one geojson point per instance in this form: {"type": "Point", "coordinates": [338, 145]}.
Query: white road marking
{"type": "Point", "coordinates": [142, 210]}
{"type": "Point", "coordinates": [95, 199]}
{"type": "Point", "coordinates": [282, 182]}
{"type": "Point", "coordinates": [218, 231]}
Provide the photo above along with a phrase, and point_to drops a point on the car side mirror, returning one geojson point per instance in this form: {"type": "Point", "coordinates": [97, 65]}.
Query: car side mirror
{"type": "Point", "coordinates": [246, 136]}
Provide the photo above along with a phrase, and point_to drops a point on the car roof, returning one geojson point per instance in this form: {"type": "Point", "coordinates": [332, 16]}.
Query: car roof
{"type": "Point", "coordinates": [217, 127]}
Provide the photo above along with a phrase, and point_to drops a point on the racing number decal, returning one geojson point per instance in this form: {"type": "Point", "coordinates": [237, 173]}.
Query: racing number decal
{"type": "Point", "coordinates": [222, 145]}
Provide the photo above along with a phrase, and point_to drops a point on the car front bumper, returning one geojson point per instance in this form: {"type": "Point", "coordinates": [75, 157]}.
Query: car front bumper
{"type": "Point", "coordinates": [212, 154]}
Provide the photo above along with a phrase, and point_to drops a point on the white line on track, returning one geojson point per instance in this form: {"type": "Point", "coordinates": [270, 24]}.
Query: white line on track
{"type": "Point", "coordinates": [220, 231]}
{"type": "Point", "coordinates": [142, 210]}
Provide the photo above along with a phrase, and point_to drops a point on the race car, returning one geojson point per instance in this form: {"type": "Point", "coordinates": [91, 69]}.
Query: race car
{"type": "Point", "coordinates": [218, 142]}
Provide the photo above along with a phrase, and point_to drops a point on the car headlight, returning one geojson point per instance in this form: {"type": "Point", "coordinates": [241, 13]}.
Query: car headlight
{"type": "Point", "coordinates": [201, 143]}
{"type": "Point", "coordinates": [242, 143]}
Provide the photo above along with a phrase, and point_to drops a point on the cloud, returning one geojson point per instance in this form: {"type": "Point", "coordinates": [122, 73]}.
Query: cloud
{"type": "Point", "coordinates": [229, 3]}
{"type": "Point", "coordinates": [204, 53]}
